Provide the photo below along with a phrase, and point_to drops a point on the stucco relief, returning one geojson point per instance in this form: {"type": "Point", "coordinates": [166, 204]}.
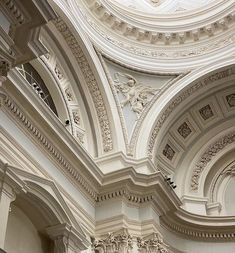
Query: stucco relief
{"type": "Point", "coordinates": [136, 94]}
{"type": "Point", "coordinates": [91, 83]}
{"type": "Point", "coordinates": [230, 170]}
{"type": "Point", "coordinates": [184, 130]}
{"type": "Point", "coordinates": [69, 94]}
{"type": "Point", "coordinates": [231, 100]}
{"type": "Point", "coordinates": [207, 157]}
{"type": "Point", "coordinates": [206, 112]}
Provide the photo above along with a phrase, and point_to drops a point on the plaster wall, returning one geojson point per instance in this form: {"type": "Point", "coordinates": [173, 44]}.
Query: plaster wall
{"type": "Point", "coordinates": [22, 236]}
{"type": "Point", "coordinates": [27, 144]}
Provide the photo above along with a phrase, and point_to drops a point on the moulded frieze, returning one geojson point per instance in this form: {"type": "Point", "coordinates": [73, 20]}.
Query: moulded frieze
{"type": "Point", "coordinates": [111, 20]}
{"type": "Point", "coordinates": [207, 156]}
{"type": "Point", "coordinates": [178, 52]}
{"type": "Point", "coordinates": [90, 81]}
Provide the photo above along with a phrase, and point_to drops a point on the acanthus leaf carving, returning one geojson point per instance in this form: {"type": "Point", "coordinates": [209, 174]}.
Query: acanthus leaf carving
{"type": "Point", "coordinates": [151, 244]}
{"type": "Point", "coordinates": [120, 242]}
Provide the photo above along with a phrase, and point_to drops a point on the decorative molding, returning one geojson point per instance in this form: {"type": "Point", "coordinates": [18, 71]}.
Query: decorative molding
{"type": "Point", "coordinates": [69, 94]}
{"type": "Point", "coordinates": [120, 242]}
{"type": "Point", "coordinates": [184, 130]}
{"type": "Point", "coordinates": [206, 112]}
{"type": "Point", "coordinates": [180, 98]}
{"type": "Point", "coordinates": [90, 81]}
{"type": "Point", "coordinates": [231, 100]}
{"type": "Point", "coordinates": [131, 146]}
{"type": "Point", "coordinates": [133, 30]}
{"type": "Point", "coordinates": [16, 13]}
{"type": "Point", "coordinates": [207, 156]}
{"type": "Point", "coordinates": [195, 50]}
{"type": "Point", "coordinates": [151, 244]}
{"type": "Point", "coordinates": [178, 224]}
{"type": "Point", "coordinates": [124, 192]}
{"type": "Point", "coordinates": [230, 170]}
{"type": "Point", "coordinates": [168, 152]}
{"type": "Point", "coordinates": [71, 101]}
{"type": "Point", "coordinates": [17, 113]}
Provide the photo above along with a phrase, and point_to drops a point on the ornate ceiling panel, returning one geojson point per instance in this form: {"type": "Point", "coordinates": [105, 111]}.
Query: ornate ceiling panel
{"type": "Point", "coordinates": [164, 39]}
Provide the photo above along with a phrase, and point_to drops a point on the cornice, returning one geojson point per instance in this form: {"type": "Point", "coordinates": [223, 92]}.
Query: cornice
{"type": "Point", "coordinates": [166, 29]}
{"type": "Point", "coordinates": [47, 144]}
{"type": "Point", "coordinates": [118, 35]}
{"type": "Point", "coordinates": [198, 227]}
{"type": "Point", "coordinates": [134, 187]}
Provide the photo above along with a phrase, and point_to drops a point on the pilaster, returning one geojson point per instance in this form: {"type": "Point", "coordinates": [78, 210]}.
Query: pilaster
{"type": "Point", "coordinates": [7, 195]}
{"type": "Point", "coordinates": [66, 239]}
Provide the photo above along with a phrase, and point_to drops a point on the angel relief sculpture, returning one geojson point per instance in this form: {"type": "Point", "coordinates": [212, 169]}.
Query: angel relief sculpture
{"type": "Point", "coordinates": [136, 94]}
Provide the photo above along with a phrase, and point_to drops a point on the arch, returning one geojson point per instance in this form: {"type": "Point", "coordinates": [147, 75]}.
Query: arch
{"type": "Point", "coordinates": [171, 103]}
{"type": "Point", "coordinates": [94, 85]}
{"type": "Point", "coordinates": [43, 203]}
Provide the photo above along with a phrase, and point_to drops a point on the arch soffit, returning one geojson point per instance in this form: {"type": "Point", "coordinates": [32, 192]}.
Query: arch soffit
{"type": "Point", "coordinates": [47, 195]}
{"type": "Point", "coordinates": [93, 78]}
{"type": "Point", "coordinates": [177, 97]}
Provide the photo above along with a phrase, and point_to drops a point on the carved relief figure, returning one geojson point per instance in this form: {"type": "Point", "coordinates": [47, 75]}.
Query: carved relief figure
{"type": "Point", "coordinates": [136, 94]}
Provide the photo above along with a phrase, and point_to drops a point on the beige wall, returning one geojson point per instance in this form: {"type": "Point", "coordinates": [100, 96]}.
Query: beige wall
{"type": "Point", "coordinates": [22, 236]}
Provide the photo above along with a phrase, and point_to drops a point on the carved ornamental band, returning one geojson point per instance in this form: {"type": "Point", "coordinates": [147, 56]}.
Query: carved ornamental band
{"type": "Point", "coordinates": [114, 242]}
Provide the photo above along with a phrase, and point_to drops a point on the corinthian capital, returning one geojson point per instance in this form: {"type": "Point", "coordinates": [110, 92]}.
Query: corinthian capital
{"type": "Point", "coordinates": [151, 244]}
{"type": "Point", "coordinates": [120, 241]}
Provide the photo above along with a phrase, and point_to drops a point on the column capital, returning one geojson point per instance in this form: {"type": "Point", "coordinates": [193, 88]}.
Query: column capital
{"type": "Point", "coordinates": [120, 241]}
{"type": "Point", "coordinates": [151, 244]}
{"type": "Point", "coordinates": [67, 239]}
